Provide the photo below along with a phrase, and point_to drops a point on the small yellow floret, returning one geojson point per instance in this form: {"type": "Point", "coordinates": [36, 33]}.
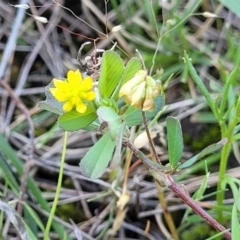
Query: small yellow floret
{"type": "Point", "coordinates": [74, 91]}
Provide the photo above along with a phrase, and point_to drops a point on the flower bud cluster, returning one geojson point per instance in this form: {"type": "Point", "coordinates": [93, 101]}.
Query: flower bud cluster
{"type": "Point", "coordinates": [109, 103]}
{"type": "Point", "coordinates": [140, 91]}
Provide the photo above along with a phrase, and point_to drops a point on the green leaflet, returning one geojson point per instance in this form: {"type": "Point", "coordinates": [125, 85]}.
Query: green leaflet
{"type": "Point", "coordinates": [51, 104]}
{"type": "Point", "coordinates": [73, 121]}
{"type": "Point", "coordinates": [95, 162]}
{"type": "Point", "coordinates": [111, 72]}
{"type": "Point", "coordinates": [175, 141]}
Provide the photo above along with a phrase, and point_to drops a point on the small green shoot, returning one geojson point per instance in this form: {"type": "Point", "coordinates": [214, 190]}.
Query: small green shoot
{"type": "Point", "coordinates": [208, 150]}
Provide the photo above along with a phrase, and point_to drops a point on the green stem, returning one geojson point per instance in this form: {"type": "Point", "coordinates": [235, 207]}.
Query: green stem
{"type": "Point", "coordinates": [222, 171]}
{"type": "Point", "coordinates": [227, 132]}
{"type": "Point", "coordinates": [59, 184]}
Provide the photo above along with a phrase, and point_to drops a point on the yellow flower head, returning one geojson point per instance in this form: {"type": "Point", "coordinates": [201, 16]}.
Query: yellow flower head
{"type": "Point", "coordinates": [140, 91]}
{"type": "Point", "coordinates": [74, 91]}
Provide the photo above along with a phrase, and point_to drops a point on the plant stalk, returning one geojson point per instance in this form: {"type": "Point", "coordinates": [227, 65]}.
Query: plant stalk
{"type": "Point", "coordinates": [59, 184]}
{"type": "Point", "coordinates": [222, 171]}
{"type": "Point", "coordinates": [227, 132]}
{"type": "Point", "coordinates": [196, 208]}
{"type": "Point", "coordinates": [149, 138]}
{"type": "Point", "coordinates": [161, 174]}
{"type": "Point", "coordinates": [167, 215]}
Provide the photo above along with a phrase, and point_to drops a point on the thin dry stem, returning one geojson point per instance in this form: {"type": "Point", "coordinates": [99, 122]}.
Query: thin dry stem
{"type": "Point", "coordinates": [27, 166]}
{"type": "Point", "coordinates": [166, 213]}
{"type": "Point", "coordinates": [150, 139]}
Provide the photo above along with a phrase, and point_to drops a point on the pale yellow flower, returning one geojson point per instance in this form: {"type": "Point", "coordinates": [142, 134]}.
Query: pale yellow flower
{"type": "Point", "coordinates": [127, 88]}
{"type": "Point", "coordinates": [74, 91]}
{"type": "Point", "coordinates": [148, 103]}
{"type": "Point", "coordinates": [140, 91]}
{"type": "Point", "coordinates": [138, 95]}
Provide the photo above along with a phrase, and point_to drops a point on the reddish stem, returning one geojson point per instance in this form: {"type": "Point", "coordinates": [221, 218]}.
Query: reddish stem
{"type": "Point", "coordinates": [195, 207]}
{"type": "Point", "coordinates": [161, 174]}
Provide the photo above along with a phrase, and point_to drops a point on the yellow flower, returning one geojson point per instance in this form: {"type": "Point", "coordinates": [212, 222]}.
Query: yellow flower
{"type": "Point", "coordinates": [140, 91]}
{"type": "Point", "coordinates": [148, 103]}
{"type": "Point", "coordinates": [127, 88]}
{"type": "Point", "coordinates": [74, 91]}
